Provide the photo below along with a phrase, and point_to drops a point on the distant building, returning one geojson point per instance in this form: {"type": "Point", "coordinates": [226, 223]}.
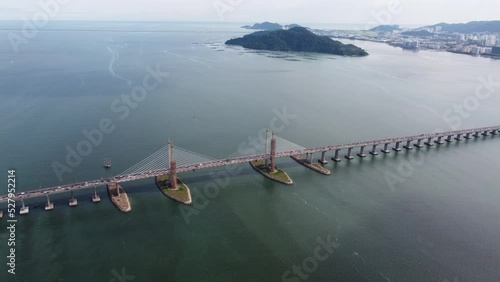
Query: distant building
{"type": "Point", "coordinates": [495, 50]}
{"type": "Point", "coordinates": [411, 45]}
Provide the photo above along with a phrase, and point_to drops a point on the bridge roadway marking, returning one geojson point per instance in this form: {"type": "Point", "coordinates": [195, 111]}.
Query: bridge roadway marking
{"type": "Point", "coordinates": [218, 163]}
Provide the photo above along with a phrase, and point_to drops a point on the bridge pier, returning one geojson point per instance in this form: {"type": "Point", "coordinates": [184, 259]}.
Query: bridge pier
{"type": "Point", "coordinates": [494, 132]}
{"type": "Point", "coordinates": [439, 141]}
{"type": "Point", "coordinates": [96, 198]}
{"type": "Point", "coordinates": [467, 136]}
{"type": "Point", "coordinates": [485, 133]}
{"type": "Point", "coordinates": [419, 144]}
{"type": "Point", "coordinates": [49, 206]}
{"type": "Point", "coordinates": [73, 202]}
{"type": "Point", "coordinates": [459, 137]}
{"type": "Point", "coordinates": [349, 156]}
{"type": "Point", "coordinates": [323, 160]}
{"type": "Point", "coordinates": [24, 209]}
{"type": "Point", "coordinates": [374, 150]}
{"type": "Point", "coordinates": [386, 148]}
{"type": "Point", "coordinates": [309, 157]}
{"type": "Point", "coordinates": [476, 134]}
{"type": "Point", "coordinates": [362, 152]}
{"type": "Point", "coordinates": [429, 142]}
{"type": "Point", "coordinates": [397, 148]}
{"type": "Point", "coordinates": [336, 158]}
{"type": "Point", "coordinates": [448, 139]}
{"type": "Point", "coordinates": [408, 145]}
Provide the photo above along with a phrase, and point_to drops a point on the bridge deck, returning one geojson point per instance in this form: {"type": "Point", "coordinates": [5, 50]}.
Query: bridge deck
{"type": "Point", "coordinates": [232, 161]}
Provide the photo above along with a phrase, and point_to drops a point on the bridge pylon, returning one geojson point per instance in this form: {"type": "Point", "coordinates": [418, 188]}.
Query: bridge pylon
{"type": "Point", "coordinates": [173, 166]}
{"type": "Point", "coordinates": [272, 166]}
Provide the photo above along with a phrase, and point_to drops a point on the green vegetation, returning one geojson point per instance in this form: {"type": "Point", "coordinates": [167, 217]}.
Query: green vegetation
{"type": "Point", "coordinates": [182, 194]}
{"type": "Point", "coordinates": [279, 175]}
{"type": "Point", "coordinates": [297, 39]}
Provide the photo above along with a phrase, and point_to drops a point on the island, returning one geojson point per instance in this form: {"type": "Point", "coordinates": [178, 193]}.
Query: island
{"type": "Point", "coordinates": [181, 194]}
{"type": "Point", "coordinates": [386, 28]}
{"type": "Point", "coordinates": [277, 175]}
{"type": "Point", "coordinates": [264, 26]}
{"type": "Point", "coordinates": [298, 39]}
{"type": "Point", "coordinates": [310, 165]}
{"type": "Point", "coordinates": [119, 197]}
{"type": "Point", "coordinates": [288, 26]}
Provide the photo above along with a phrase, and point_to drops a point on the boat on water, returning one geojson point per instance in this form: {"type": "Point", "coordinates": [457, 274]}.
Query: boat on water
{"type": "Point", "coordinates": [107, 163]}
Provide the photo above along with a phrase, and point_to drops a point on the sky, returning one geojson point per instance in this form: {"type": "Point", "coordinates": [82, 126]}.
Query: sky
{"type": "Point", "coordinates": [404, 12]}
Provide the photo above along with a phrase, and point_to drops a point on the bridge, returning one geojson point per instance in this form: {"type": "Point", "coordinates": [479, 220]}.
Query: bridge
{"type": "Point", "coordinates": [162, 161]}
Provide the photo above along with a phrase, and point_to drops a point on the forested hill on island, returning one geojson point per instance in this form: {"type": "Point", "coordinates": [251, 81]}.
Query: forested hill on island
{"type": "Point", "coordinates": [297, 39]}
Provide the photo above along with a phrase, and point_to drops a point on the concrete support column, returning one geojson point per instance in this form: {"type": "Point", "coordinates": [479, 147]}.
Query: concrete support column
{"type": "Point", "coordinates": [374, 150]}
{"type": "Point", "coordinates": [173, 167]}
{"type": "Point", "coordinates": [476, 135]}
{"type": "Point", "coordinates": [95, 197]}
{"type": "Point", "coordinates": [467, 136]}
{"type": "Point", "coordinates": [49, 206]}
{"type": "Point", "coordinates": [408, 145]}
{"type": "Point", "coordinates": [273, 154]}
{"type": "Point", "coordinates": [73, 201]}
{"type": "Point", "coordinates": [397, 148]}
{"type": "Point", "coordinates": [386, 148]}
{"type": "Point", "coordinates": [429, 142]}
{"type": "Point", "coordinates": [419, 144]}
{"type": "Point", "coordinates": [439, 141]}
{"type": "Point", "coordinates": [323, 160]}
{"type": "Point", "coordinates": [494, 132]}
{"type": "Point", "coordinates": [349, 156]}
{"type": "Point", "coordinates": [485, 133]}
{"type": "Point", "coordinates": [448, 139]}
{"type": "Point", "coordinates": [24, 209]}
{"type": "Point", "coordinates": [459, 137]}
{"type": "Point", "coordinates": [173, 175]}
{"type": "Point", "coordinates": [336, 158]}
{"type": "Point", "coordinates": [362, 152]}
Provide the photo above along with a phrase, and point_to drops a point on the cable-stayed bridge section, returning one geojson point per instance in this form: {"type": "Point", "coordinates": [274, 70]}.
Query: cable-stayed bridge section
{"type": "Point", "coordinates": [159, 162]}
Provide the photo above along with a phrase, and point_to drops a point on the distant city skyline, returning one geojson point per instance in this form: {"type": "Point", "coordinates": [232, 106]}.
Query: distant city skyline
{"type": "Point", "coordinates": [404, 12]}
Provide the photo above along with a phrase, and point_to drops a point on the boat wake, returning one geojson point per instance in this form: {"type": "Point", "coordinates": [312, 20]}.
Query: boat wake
{"type": "Point", "coordinates": [111, 66]}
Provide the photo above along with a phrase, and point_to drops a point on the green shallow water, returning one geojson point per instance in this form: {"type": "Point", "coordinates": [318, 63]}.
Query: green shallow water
{"type": "Point", "coordinates": [439, 222]}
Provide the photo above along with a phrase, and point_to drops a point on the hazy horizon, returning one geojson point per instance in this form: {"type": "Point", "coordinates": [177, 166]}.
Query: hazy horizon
{"type": "Point", "coordinates": [409, 12]}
